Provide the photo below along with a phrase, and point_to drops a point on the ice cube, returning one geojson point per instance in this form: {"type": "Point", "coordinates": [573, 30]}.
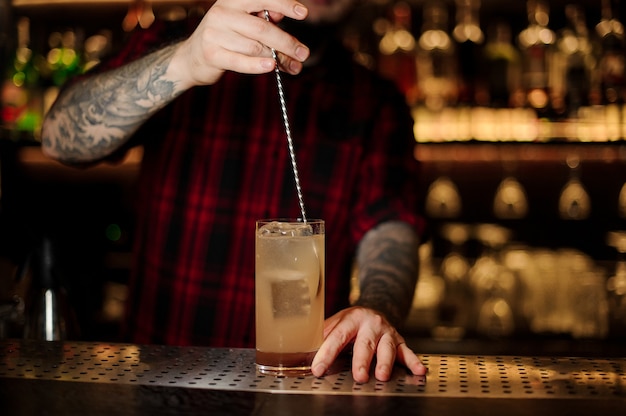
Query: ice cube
{"type": "Point", "coordinates": [280, 229]}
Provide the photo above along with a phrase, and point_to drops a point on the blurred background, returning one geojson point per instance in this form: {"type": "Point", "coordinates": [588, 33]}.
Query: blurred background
{"type": "Point", "coordinates": [520, 122]}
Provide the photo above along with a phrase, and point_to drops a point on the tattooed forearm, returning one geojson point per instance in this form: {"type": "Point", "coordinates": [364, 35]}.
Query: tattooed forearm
{"type": "Point", "coordinates": [387, 263]}
{"type": "Point", "coordinates": [97, 115]}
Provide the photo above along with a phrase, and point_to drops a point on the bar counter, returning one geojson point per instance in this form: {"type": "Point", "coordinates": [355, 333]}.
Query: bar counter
{"type": "Point", "coordinates": [86, 378]}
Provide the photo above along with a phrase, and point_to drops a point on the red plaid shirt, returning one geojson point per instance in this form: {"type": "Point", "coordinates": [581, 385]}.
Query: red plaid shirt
{"type": "Point", "coordinates": [217, 159]}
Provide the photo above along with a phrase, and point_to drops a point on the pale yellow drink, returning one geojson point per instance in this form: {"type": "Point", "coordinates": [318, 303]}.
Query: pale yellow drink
{"type": "Point", "coordinates": [289, 295]}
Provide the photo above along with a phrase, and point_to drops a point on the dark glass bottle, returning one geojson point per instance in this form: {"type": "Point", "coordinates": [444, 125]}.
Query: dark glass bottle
{"type": "Point", "coordinates": [575, 64]}
{"type": "Point", "coordinates": [502, 66]}
{"type": "Point", "coordinates": [20, 93]}
{"type": "Point", "coordinates": [469, 37]}
{"type": "Point", "coordinates": [6, 18]}
{"type": "Point", "coordinates": [612, 61]}
{"type": "Point", "coordinates": [63, 57]}
{"type": "Point", "coordinates": [536, 43]}
{"type": "Point", "coordinates": [436, 60]}
{"type": "Point", "coordinates": [396, 49]}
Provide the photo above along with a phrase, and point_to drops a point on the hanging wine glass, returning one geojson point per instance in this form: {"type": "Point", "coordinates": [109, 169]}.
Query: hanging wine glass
{"type": "Point", "coordinates": [622, 202]}
{"type": "Point", "coordinates": [574, 201]}
{"type": "Point", "coordinates": [443, 199]}
{"type": "Point", "coordinates": [140, 13]}
{"type": "Point", "coordinates": [510, 201]}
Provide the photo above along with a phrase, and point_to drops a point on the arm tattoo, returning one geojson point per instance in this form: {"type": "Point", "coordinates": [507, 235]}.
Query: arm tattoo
{"type": "Point", "coordinates": [387, 261]}
{"type": "Point", "coordinates": [97, 115]}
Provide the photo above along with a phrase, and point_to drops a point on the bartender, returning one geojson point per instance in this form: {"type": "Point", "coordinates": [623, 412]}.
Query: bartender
{"type": "Point", "coordinates": [200, 97]}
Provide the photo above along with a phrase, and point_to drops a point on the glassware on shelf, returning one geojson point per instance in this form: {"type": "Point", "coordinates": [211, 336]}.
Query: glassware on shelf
{"type": "Point", "coordinates": [562, 291]}
{"type": "Point", "coordinates": [510, 201]}
{"type": "Point", "coordinates": [429, 292]}
{"type": "Point", "coordinates": [584, 303]}
{"type": "Point", "coordinates": [454, 311]}
{"type": "Point", "coordinates": [520, 259]}
{"type": "Point", "coordinates": [540, 279]}
{"type": "Point", "coordinates": [455, 265]}
{"type": "Point", "coordinates": [140, 14]}
{"type": "Point", "coordinates": [574, 201]}
{"type": "Point", "coordinates": [443, 199]}
{"type": "Point", "coordinates": [494, 286]}
{"type": "Point", "coordinates": [621, 202]}
{"type": "Point", "coordinates": [616, 286]}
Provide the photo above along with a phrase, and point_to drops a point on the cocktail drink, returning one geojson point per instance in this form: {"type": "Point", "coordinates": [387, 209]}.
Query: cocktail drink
{"type": "Point", "coordinates": [289, 295]}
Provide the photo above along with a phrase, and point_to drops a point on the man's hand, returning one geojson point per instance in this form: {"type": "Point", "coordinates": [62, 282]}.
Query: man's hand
{"type": "Point", "coordinates": [235, 36]}
{"type": "Point", "coordinates": [372, 336]}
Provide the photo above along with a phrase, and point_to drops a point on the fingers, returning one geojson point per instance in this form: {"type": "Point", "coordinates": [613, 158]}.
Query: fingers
{"type": "Point", "coordinates": [389, 349]}
{"type": "Point", "coordinates": [338, 334]}
{"type": "Point", "coordinates": [235, 36]}
{"type": "Point", "coordinates": [385, 357]}
{"type": "Point", "coordinates": [365, 347]}
{"type": "Point", "coordinates": [276, 8]}
{"type": "Point", "coordinates": [256, 35]}
{"type": "Point", "coordinates": [410, 360]}
{"type": "Point", "coordinates": [380, 340]}
{"type": "Point", "coordinates": [373, 337]}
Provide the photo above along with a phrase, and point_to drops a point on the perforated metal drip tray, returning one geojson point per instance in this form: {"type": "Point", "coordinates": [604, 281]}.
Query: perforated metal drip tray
{"type": "Point", "coordinates": [233, 369]}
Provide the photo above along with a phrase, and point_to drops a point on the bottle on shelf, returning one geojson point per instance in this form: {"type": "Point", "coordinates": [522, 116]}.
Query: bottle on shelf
{"type": "Point", "coordinates": [536, 43]}
{"type": "Point", "coordinates": [49, 315]}
{"type": "Point", "coordinates": [574, 63]}
{"type": "Point", "coordinates": [63, 61]}
{"type": "Point", "coordinates": [5, 32]}
{"type": "Point", "coordinates": [609, 81]}
{"type": "Point", "coordinates": [436, 67]}
{"type": "Point", "coordinates": [612, 61]}
{"type": "Point", "coordinates": [503, 67]}
{"type": "Point", "coordinates": [469, 37]}
{"type": "Point", "coordinates": [396, 51]}
{"type": "Point", "coordinates": [21, 93]}
{"type": "Point", "coordinates": [95, 48]}
{"type": "Point", "coordinates": [63, 58]}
